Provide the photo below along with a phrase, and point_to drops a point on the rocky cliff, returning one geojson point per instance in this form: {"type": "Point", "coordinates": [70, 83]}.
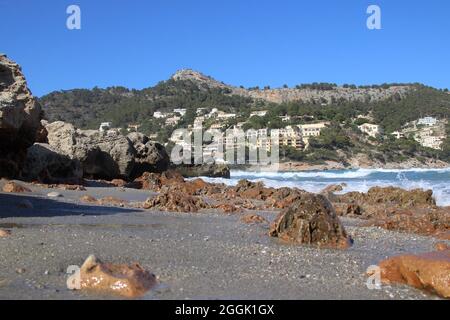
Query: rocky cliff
{"type": "Point", "coordinates": [281, 95]}
{"type": "Point", "coordinates": [20, 116]}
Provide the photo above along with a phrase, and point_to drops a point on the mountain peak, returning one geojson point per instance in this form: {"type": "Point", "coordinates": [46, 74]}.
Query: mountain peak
{"type": "Point", "coordinates": [196, 76]}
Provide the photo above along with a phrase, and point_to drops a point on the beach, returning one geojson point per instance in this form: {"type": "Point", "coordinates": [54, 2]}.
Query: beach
{"type": "Point", "coordinates": [203, 255]}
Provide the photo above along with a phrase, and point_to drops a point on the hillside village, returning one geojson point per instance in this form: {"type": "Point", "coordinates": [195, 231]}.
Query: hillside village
{"type": "Point", "coordinates": [429, 132]}
{"type": "Point", "coordinates": [315, 123]}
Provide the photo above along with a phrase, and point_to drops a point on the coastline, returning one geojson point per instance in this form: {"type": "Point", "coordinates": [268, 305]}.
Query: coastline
{"type": "Point", "coordinates": [332, 165]}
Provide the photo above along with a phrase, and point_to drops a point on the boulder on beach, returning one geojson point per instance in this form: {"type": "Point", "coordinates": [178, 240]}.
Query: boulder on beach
{"type": "Point", "coordinates": [428, 271]}
{"type": "Point", "coordinates": [45, 164]}
{"type": "Point", "coordinates": [20, 116]}
{"type": "Point", "coordinates": [391, 196]}
{"type": "Point", "coordinates": [150, 156]}
{"type": "Point", "coordinates": [212, 170]}
{"type": "Point", "coordinates": [175, 202]}
{"type": "Point", "coordinates": [14, 187]}
{"type": "Point", "coordinates": [128, 281]}
{"type": "Point", "coordinates": [4, 233]}
{"type": "Point", "coordinates": [310, 220]}
{"type": "Point", "coordinates": [107, 155]}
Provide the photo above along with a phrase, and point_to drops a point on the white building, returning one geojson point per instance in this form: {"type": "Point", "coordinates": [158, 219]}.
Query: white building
{"type": "Point", "coordinates": [372, 130]}
{"type": "Point", "coordinates": [180, 111]}
{"type": "Point", "coordinates": [198, 122]}
{"type": "Point", "coordinates": [105, 126]}
{"type": "Point", "coordinates": [312, 129]}
{"type": "Point", "coordinates": [427, 121]}
{"type": "Point", "coordinates": [434, 142]}
{"type": "Point", "coordinates": [200, 111]}
{"type": "Point", "coordinates": [398, 134]}
{"type": "Point", "coordinates": [224, 115]}
{"type": "Point", "coordinates": [260, 113]}
{"type": "Point", "coordinates": [160, 115]}
{"type": "Point", "coordinates": [217, 125]}
{"type": "Point", "coordinates": [285, 118]}
{"type": "Point", "coordinates": [172, 121]}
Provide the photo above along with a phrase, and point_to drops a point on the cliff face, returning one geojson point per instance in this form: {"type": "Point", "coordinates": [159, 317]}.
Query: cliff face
{"type": "Point", "coordinates": [293, 94]}
{"type": "Point", "coordinates": [20, 116]}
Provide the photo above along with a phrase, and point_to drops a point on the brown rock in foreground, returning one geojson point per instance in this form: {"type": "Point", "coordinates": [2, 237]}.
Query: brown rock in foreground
{"type": "Point", "coordinates": [88, 199]}
{"type": "Point", "coordinates": [4, 233]}
{"type": "Point", "coordinates": [175, 202]}
{"type": "Point", "coordinates": [13, 187]}
{"type": "Point", "coordinates": [129, 281]}
{"type": "Point", "coordinates": [434, 221]}
{"type": "Point", "coordinates": [427, 271]}
{"type": "Point", "coordinates": [253, 218]}
{"type": "Point", "coordinates": [310, 220]}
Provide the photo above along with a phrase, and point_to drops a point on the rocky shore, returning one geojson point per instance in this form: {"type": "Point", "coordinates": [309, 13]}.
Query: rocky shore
{"type": "Point", "coordinates": [110, 204]}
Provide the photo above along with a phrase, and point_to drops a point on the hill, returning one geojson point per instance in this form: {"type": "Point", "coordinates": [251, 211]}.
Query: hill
{"type": "Point", "coordinates": [390, 105]}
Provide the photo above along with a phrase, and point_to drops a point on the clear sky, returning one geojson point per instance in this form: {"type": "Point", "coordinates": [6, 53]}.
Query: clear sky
{"type": "Point", "coordinates": [137, 43]}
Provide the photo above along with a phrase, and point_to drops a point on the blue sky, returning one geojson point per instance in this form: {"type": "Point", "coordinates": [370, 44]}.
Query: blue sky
{"type": "Point", "coordinates": [137, 43]}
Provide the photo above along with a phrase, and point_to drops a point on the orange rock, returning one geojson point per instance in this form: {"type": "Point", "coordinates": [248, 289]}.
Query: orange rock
{"type": "Point", "coordinates": [227, 207]}
{"type": "Point", "coordinates": [441, 246]}
{"type": "Point", "coordinates": [175, 202]}
{"type": "Point", "coordinates": [88, 199]}
{"type": "Point", "coordinates": [444, 235]}
{"type": "Point", "coordinates": [119, 182]}
{"type": "Point", "coordinates": [112, 201]}
{"type": "Point", "coordinates": [310, 220]}
{"type": "Point", "coordinates": [253, 218]}
{"type": "Point", "coordinates": [13, 187]}
{"type": "Point", "coordinates": [129, 281]}
{"type": "Point", "coordinates": [4, 233]}
{"type": "Point", "coordinates": [428, 271]}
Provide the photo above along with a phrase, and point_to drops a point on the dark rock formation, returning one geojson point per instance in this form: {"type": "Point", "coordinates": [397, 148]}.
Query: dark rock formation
{"type": "Point", "coordinates": [310, 220]}
{"type": "Point", "coordinates": [204, 170]}
{"type": "Point", "coordinates": [150, 156]}
{"type": "Point", "coordinates": [107, 155]}
{"type": "Point", "coordinates": [20, 116]}
{"type": "Point", "coordinates": [45, 164]}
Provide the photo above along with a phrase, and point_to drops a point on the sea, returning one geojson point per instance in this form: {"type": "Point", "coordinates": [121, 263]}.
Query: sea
{"type": "Point", "coordinates": [361, 180]}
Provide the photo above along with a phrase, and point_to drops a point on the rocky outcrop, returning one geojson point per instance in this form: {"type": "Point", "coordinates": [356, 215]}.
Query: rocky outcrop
{"type": "Point", "coordinates": [107, 155]}
{"type": "Point", "coordinates": [204, 170]}
{"type": "Point", "coordinates": [427, 271]}
{"type": "Point", "coordinates": [20, 116]}
{"type": "Point", "coordinates": [13, 187]}
{"type": "Point", "coordinates": [295, 94]}
{"type": "Point", "coordinates": [310, 220]}
{"type": "Point", "coordinates": [253, 218]}
{"type": "Point", "coordinates": [150, 156]}
{"type": "Point", "coordinates": [391, 196]}
{"type": "Point", "coordinates": [411, 211]}
{"type": "Point", "coordinates": [44, 164]}
{"type": "Point", "coordinates": [130, 281]}
{"type": "Point", "coordinates": [175, 202]}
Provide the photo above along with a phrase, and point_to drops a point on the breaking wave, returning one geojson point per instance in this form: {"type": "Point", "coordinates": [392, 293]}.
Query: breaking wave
{"type": "Point", "coordinates": [360, 180]}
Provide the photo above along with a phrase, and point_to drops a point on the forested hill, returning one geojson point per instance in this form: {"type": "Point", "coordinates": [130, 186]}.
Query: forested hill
{"type": "Point", "coordinates": [391, 105]}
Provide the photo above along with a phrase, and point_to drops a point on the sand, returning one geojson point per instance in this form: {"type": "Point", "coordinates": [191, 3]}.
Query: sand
{"type": "Point", "coordinates": [207, 255]}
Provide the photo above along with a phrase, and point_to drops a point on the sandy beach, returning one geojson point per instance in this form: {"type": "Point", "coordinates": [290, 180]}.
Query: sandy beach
{"type": "Point", "coordinates": [204, 255]}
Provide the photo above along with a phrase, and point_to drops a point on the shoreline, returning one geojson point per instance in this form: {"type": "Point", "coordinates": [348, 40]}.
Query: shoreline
{"type": "Point", "coordinates": [192, 254]}
{"type": "Point", "coordinates": [301, 166]}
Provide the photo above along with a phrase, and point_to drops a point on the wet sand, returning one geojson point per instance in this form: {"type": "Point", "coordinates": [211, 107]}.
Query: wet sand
{"type": "Point", "coordinates": [207, 255]}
